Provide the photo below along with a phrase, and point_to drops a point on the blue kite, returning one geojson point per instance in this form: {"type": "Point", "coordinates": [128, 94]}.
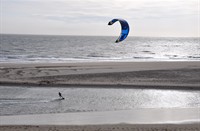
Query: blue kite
{"type": "Point", "coordinates": [124, 29]}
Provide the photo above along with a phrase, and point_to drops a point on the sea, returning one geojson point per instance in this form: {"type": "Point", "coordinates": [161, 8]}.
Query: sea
{"type": "Point", "coordinates": [62, 49]}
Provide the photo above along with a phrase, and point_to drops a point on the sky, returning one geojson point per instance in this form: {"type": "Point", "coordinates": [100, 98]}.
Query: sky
{"type": "Point", "coordinates": [165, 18]}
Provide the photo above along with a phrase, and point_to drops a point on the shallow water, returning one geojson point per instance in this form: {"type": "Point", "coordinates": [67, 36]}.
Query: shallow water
{"type": "Point", "coordinates": [38, 100]}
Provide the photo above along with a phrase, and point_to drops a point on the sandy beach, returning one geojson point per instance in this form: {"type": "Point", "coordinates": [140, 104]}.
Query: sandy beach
{"type": "Point", "coordinates": [177, 75]}
{"type": "Point", "coordinates": [160, 75]}
{"type": "Point", "coordinates": [185, 119]}
{"type": "Point", "coordinates": [118, 127]}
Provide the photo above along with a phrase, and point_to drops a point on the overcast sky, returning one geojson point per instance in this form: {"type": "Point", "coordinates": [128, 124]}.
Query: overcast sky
{"type": "Point", "coordinates": [90, 17]}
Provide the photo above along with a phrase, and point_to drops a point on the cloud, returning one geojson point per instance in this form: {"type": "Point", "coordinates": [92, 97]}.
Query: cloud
{"type": "Point", "coordinates": [144, 13]}
{"type": "Point", "coordinates": [77, 17]}
{"type": "Point", "coordinates": [92, 10]}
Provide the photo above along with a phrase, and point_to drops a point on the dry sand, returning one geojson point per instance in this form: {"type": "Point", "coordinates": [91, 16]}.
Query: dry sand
{"type": "Point", "coordinates": [115, 127]}
{"type": "Point", "coordinates": [129, 74]}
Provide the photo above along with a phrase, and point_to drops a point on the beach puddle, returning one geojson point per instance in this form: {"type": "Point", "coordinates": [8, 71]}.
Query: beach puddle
{"type": "Point", "coordinates": [15, 100]}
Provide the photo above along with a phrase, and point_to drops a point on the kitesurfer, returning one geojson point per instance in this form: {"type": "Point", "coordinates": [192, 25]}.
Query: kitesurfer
{"type": "Point", "coordinates": [60, 95]}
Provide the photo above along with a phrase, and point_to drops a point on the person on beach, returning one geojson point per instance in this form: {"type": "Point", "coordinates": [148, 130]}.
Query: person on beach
{"type": "Point", "coordinates": [60, 95]}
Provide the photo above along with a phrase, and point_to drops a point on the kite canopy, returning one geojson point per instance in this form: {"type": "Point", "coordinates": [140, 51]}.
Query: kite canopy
{"type": "Point", "coordinates": [124, 29]}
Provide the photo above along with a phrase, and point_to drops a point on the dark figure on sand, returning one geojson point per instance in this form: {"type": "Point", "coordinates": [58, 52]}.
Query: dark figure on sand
{"type": "Point", "coordinates": [60, 95]}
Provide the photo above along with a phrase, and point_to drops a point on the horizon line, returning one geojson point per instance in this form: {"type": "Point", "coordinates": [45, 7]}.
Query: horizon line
{"type": "Point", "coordinates": [97, 35]}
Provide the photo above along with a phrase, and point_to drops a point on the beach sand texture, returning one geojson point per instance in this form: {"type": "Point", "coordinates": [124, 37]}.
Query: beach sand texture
{"type": "Point", "coordinates": [135, 74]}
{"type": "Point", "coordinates": [118, 127]}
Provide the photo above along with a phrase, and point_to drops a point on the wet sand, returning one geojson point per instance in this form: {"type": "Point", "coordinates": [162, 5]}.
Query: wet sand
{"type": "Point", "coordinates": [175, 75]}
{"type": "Point", "coordinates": [185, 119]}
